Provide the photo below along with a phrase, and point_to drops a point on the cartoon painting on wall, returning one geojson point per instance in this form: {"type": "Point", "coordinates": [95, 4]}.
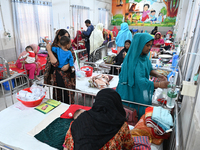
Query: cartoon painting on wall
{"type": "Point", "coordinates": [145, 12]}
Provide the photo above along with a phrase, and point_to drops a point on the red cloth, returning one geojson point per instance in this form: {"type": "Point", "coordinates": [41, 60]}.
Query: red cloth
{"type": "Point", "coordinates": [31, 54]}
{"type": "Point", "coordinates": [115, 31]}
{"type": "Point", "coordinates": [145, 18]}
{"type": "Point", "coordinates": [76, 40]}
{"type": "Point", "coordinates": [69, 113]}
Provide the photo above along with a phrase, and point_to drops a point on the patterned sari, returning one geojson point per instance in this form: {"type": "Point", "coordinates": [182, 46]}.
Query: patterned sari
{"type": "Point", "coordinates": [60, 79]}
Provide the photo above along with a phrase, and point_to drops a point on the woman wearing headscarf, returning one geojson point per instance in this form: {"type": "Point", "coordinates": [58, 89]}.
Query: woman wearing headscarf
{"type": "Point", "coordinates": [115, 31]}
{"type": "Point", "coordinates": [154, 31]}
{"type": "Point", "coordinates": [33, 68]}
{"type": "Point", "coordinates": [158, 42]}
{"type": "Point", "coordinates": [61, 77]}
{"type": "Point", "coordinates": [123, 35]}
{"type": "Point", "coordinates": [108, 35]}
{"type": "Point", "coordinates": [96, 38]}
{"type": "Point", "coordinates": [134, 84]}
{"type": "Point", "coordinates": [120, 57]}
{"type": "Point", "coordinates": [103, 127]}
{"type": "Point", "coordinates": [77, 42]}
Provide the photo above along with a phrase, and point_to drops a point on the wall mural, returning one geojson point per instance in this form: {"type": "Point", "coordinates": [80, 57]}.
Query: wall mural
{"type": "Point", "coordinates": [145, 12]}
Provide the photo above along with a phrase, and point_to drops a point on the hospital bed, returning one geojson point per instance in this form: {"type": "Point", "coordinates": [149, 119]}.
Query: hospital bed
{"type": "Point", "coordinates": [17, 121]}
{"type": "Point", "coordinates": [8, 69]}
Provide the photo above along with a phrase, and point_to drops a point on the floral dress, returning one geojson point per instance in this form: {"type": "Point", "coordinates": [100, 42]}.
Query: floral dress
{"type": "Point", "coordinates": [61, 79]}
{"type": "Point", "coordinates": [122, 140]}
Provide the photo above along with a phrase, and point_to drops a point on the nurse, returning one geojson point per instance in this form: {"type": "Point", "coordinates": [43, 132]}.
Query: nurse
{"type": "Point", "coordinates": [134, 84]}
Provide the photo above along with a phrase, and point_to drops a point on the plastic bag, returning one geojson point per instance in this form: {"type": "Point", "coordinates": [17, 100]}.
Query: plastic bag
{"type": "Point", "coordinates": [80, 74]}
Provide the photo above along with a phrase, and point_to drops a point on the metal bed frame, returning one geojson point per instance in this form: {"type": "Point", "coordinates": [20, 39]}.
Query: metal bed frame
{"type": "Point", "coordinates": [89, 98]}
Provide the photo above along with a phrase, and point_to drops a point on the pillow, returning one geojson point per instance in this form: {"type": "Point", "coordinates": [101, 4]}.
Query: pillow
{"type": "Point", "coordinates": [69, 113]}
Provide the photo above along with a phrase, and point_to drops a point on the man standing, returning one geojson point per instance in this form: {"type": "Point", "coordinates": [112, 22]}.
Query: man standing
{"type": "Point", "coordinates": [87, 34]}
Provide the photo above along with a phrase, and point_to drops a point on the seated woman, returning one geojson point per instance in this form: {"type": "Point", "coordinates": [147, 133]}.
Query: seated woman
{"type": "Point", "coordinates": [134, 84]}
{"type": "Point", "coordinates": [158, 42]}
{"type": "Point", "coordinates": [78, 43]}
{"type": "Point", "coordinates": [32, 68]}
{"type": "Point", "coordinates": [102, 127]}
{"type": "Point", "coordinates": [120, 57]}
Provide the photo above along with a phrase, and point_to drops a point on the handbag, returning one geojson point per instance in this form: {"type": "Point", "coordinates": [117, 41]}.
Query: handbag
{"type": "Point", "coordinates": [109, 59]}
{"type": "Point", "coordinates": [131, 115]}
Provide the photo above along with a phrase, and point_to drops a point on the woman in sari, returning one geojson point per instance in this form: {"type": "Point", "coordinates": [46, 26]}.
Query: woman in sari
{"type": "Point", "coordinates": [108, 35]}
{"type": "Point", "coordinates": [115, 31]}
{"type": "Point", "coordinates": [77, 42]}
{"type": "Point", "coordinates": [33, 68]}
{"type": "Point", "coordinates": [123, 35]}
{"type": "Point", "coordinates": [134, 84]}
{"type": "Point", "coordinates": [157, 43]}
{"type": "Point", "coordinates": [103, 127]}
{"type": "Point", "coordinates": [61, 77]}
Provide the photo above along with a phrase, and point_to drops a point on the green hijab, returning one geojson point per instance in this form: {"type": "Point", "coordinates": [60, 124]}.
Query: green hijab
{"type": "Point", "coordinates": [127, 75]}
{"type": "Point", "coordinates": [134, 84]}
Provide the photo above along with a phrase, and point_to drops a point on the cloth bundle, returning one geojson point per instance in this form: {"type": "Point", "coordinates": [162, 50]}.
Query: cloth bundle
{"type": "Point", "coordinates": [35, 93]}
{"type": "Point", "coordinates": [159, 119]}
{"type": "Point", "coordinates": [100, 81]}
{"type": "Point", "coordinates": [162, 117]}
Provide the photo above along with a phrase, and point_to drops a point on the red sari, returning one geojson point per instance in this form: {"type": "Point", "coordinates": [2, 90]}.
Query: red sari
{"type": "Point", "coordinates": [76, 41]}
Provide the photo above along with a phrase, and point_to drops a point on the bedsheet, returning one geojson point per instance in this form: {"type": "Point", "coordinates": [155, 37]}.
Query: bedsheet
{"type": "Point", "coordinates": [15, 125]}
{"type": "Point", "coordinates": [18, 127]}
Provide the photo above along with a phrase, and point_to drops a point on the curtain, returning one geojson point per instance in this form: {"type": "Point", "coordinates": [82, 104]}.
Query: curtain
{"type": "Point", "coordinates": [32, 20]}
{"type": "Point", "coordinates": [79, 15]}
{"type": "Point", "coordinates": [104, 17]}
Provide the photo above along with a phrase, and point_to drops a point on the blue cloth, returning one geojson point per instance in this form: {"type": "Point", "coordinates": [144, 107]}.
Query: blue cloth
{"type": "Point", "coordinates": [89, 31]}
{"type": "Point", "coordinates": [123, 35]}
{"type": "Point", "coordinates": [134, 84]}
{"type": "Point", "coordinates": [162, 117]}
{"type": "Point", "coordinates": [64, 57]}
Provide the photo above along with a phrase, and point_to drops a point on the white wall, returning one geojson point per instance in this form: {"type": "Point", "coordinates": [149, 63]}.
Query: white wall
{"type": "Point", "coordinates": [62, 12]}
{"type": "Point", "coordinates": [6, 18]}
{"type": "Point", "coordinates": [7, 45]}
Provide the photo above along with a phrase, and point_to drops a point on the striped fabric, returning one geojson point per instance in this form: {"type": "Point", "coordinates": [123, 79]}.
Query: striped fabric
{"type": "Point", "coordinates": [141, 143]}
{"type": "Point", "coordinates": [157, 129]}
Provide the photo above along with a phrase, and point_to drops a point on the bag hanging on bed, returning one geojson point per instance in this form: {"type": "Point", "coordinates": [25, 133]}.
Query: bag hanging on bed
{"type": "Point", "coordinates": [109, 59]}
{"type": "Point", "coordinates": [131, 115]}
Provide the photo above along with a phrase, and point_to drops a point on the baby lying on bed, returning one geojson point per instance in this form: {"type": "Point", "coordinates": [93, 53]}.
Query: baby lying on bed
{"type": "Point", "coordinates": [78, 112]}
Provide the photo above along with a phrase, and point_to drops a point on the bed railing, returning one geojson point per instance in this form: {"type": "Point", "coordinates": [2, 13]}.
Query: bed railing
{"type": "Point", "coordinates": [10, 86]}
{"type": "Point", "coordinates": [4, 68]}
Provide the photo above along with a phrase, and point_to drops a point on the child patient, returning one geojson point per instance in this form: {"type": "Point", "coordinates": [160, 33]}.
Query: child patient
{"type": "Point", "coordinates": [64, 54]}
{"type": "Point", "coordinates": [78, 112]}
{"type": "Point", "coordinates": [29, 59]}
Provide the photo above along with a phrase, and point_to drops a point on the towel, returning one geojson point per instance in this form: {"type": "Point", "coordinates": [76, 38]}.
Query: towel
{"type": "Point", "coordinates": [162, 117]}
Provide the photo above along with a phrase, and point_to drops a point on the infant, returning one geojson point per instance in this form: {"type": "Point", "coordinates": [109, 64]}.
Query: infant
{"type": "Point", "coordinates": [78, 112]}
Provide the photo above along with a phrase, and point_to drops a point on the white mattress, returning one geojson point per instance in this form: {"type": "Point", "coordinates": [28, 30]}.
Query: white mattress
{"type": "Point", "coordinates": [15, 125]}
{"type": "Point", "coordinates": [18, 127]}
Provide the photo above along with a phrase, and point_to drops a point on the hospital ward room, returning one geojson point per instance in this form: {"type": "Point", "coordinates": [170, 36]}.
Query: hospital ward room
{"type": "Point", "coordinates": [99, 74]}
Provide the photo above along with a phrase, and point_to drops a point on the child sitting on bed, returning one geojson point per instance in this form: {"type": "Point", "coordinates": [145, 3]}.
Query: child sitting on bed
{"type": "Point", "coordinates": [29, 59]}
{"type": "Point", "coordinates": [78, 112]}
{"type": "Point", "coordinates": [64, 55]}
